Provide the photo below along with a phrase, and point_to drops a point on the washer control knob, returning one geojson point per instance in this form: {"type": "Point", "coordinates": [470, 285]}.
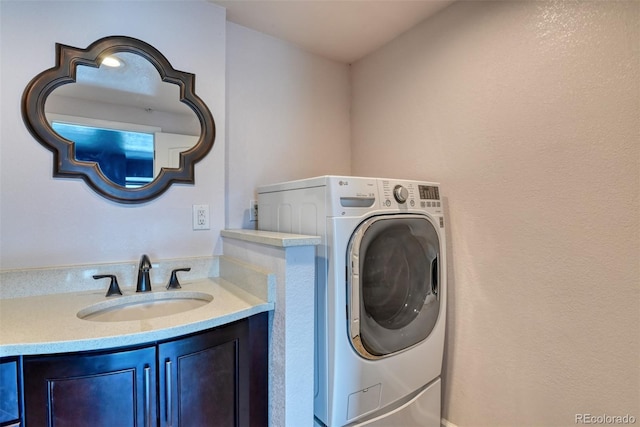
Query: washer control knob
{"type": "Point", "coordinates": [400, 193]}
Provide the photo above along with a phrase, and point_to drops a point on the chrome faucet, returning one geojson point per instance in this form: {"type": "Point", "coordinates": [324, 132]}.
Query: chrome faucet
{"type": "Point", "coordinates": [144, 282]}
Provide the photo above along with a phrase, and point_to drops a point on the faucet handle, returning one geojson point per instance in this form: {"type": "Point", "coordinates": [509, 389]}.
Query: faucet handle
{"type": "Point", "coordinates": [114, 289]}
{"type": "Point", "coordinates": [173, 281]}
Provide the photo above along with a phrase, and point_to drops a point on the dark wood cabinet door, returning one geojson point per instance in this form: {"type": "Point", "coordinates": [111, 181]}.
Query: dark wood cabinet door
{"type": "Point", "coordinates": [201, 379]}
{"type": "Point", "coordinates": [97, 389]}
{"type": "Point", "coordinates": [216, 378]}
{"type": "Point", "coordinates": [259, 370]}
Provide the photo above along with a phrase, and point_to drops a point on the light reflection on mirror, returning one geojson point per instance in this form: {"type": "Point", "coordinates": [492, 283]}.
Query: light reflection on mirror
{"type": "Point", "coordinates": [112, 61]}
{"type": "Point", "coordinates": [106, 107]}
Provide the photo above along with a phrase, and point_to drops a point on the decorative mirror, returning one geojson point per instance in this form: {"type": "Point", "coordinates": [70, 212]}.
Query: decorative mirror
{"type": "Point", "coordinates": [128, 129]}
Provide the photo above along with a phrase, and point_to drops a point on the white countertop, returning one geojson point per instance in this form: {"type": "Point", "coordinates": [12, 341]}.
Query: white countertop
{"type": "Point", "coordinates": [49, 324]}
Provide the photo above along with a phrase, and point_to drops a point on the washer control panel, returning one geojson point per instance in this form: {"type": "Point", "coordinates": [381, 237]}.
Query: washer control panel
{"type": "Point", "coordinates": [409, 194]}
{"type": "Point", "coordinates": [357, 195]}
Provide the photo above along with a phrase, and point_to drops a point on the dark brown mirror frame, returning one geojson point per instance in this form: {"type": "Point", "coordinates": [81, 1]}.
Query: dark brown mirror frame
{"type": "Point", "coordinates": [64, 161]}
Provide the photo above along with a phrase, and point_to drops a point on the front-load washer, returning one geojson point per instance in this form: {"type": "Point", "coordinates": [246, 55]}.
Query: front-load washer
{"type": "Point", "coordinates": [380, 294]}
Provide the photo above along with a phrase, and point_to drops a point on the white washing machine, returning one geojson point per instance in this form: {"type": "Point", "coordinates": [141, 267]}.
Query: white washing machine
{"type": "Point", "coordinates": [380, 294]}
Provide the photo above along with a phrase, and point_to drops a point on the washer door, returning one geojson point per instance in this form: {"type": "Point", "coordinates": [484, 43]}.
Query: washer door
{"type": "Point", "coordinates": [392, 283]}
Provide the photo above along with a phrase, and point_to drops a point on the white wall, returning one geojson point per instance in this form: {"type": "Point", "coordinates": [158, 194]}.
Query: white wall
{"type": "Point", "coordinates": [49, 222]}
{"type": "Point", "coordinates": [527, 112]}
{"type": "Point", "coordinates": [288, 117]}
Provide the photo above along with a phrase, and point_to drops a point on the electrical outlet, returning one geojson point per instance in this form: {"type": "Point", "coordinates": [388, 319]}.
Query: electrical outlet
{"type": "Point", "coordinates": [200, 217]}
{"type": "Point", "coordinates": [253, 210]}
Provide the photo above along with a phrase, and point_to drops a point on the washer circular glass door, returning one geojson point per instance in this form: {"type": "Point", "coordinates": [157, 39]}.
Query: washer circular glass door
{"type": "Point", "coordinates": [393, 283]}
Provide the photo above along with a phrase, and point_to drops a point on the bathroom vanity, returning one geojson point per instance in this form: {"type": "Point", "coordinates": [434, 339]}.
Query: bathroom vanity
{"type": "Point", "coordinates": [202, 366]}
{"type": "Point", "coordinates": [247, 342]}
{"type": "Point", "coordinates": [215, 377]}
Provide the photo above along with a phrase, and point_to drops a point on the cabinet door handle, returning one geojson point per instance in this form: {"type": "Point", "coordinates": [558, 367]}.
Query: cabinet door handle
{"type": "Point", "coordinates": [147, 397]}
{"type": "Point", "coordinates": [168, 400]}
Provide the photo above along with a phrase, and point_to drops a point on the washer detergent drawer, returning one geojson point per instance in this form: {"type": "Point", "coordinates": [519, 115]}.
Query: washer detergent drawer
{"type": "Point", "coordinates": [423, 410]}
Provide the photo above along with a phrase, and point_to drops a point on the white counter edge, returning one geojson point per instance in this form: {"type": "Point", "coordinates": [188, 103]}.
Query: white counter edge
{"type": "Point", "coordinates": [272, 238]}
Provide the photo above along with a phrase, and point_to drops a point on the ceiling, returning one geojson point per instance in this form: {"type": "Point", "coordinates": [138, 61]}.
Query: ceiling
{"type": "Point", "coordinates": [341, 30]}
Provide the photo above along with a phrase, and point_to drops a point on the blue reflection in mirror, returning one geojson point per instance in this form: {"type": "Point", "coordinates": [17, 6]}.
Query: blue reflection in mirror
{"type": "Point", "coordinates": [124, 157]}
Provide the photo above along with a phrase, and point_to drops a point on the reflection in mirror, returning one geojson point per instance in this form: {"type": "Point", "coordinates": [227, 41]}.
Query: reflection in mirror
{"type": "Point", "coordinates": [124, 118]}
{"type": "Point", "coordinates": [129, 131]}
{"type": "Point", "coordinates": [125, 157]}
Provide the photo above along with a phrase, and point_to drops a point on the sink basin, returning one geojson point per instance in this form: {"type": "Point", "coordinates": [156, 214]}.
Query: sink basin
{"type": "Point", "coordinates": [144, 306]}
